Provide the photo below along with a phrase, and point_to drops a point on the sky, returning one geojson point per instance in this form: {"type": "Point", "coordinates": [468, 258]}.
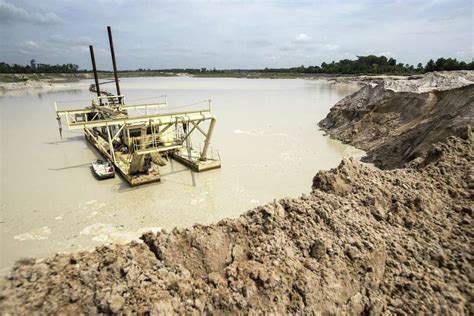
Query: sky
{"type": "Point", "coordinates": [234, 33]}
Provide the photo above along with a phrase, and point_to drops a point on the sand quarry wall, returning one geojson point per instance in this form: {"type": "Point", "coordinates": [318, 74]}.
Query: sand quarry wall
{"type": "Point", "coordinates": [396, 121]}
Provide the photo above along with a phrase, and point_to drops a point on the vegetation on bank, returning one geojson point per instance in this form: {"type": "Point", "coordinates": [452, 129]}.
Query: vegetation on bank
{"type": "Point", "coordinates": [382, 65]}
{"type": "Point", "coordinates": [363, 65]}
{"type": "Point", "coordinates": [39, 68]}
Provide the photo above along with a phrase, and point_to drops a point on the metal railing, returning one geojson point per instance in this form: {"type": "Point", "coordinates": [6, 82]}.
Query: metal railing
{"type": "Point", "coordinates": [154, 144]}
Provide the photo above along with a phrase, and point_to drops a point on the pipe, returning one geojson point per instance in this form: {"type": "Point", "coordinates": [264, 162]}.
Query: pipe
{"type": "Point", "coordinates": [94, 69]}
{"type": "Point", "coordinates": [114, 64]}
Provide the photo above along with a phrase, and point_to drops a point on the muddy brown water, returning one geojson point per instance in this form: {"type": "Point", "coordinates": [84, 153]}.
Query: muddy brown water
{"type": "Point", "coordinates": [266, 134]}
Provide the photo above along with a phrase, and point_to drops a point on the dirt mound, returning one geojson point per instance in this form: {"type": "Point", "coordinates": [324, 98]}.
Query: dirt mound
{"type": "Point", "coordinates": [442, 80]}
{"type": "Point", "coordinates": [364, 241]}
{"type": "Point", "coordinates": [396, 127]}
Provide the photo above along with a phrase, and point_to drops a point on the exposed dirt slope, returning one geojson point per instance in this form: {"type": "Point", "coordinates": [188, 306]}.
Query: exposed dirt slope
{"type": "Point", "coordinates": [441, 80]}
{"type": "Point", "coordinates": [395, 127]}
{"type": "Point", "coordinates": [364, 241]}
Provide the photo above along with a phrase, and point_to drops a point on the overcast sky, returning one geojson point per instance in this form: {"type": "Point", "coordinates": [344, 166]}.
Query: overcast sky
{"type": "Point", "coordinates": [233, 33]}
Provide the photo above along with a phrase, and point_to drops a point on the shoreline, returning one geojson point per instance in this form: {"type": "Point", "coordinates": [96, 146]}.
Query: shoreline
{"type": "Point", "coordinates": [18, 82]}
{"type": "Point", "coordinates": [56, 81]}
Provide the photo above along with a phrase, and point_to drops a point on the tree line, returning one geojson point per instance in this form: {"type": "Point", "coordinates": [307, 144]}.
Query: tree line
{"type": "Point", "coordinates": [379, 65]}
{"type": "Point", "coordinates": [35, 67]}
{"type": "Point", "coordinates": [362, 65]}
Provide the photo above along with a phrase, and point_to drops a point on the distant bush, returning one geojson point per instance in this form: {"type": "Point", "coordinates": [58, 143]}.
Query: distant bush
{"type": "Point", "coordinates": [378, 65]}
{"type": "Point", "coordinates": [34, 67]}
{"type": "Point", "coordinates": [370, 64]}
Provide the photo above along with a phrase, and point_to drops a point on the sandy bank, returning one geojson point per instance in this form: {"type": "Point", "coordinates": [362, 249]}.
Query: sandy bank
{"type": "Point", "coordinates": [396, 121]}
{"type": "Point", "coordinates": [14, 84]}
{"type": "Point", "coordinates": [439, 81]}
{"type": "Point", "coordinates": [12, 88]}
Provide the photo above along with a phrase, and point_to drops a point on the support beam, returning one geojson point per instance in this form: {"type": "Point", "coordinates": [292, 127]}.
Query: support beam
{"type": "Point", "coordinates": [95, 115]}
{"type": "Point", "coordinates": [76, 111]}
{"type": "Point", "coordinates": [199, 129]}
{"type": "Point", "coordinates": [118, 132]}
{"type": "Point", "coordinates": [186, 138]}
{"type": "Point", "coordinates": [157, 150]}
{"type": "Point", "coordinates": [164, 129]}
{"type": "Point", "coordinates": [112, 153]}
{"type": "Point", "coordinates": [144, 106]}
{"type": "Point", "coordinates": [192, 130]}
{"type": "Point", "coordinates": [158, 119]}
{"type": "Point", "coordinates": [207, 141]}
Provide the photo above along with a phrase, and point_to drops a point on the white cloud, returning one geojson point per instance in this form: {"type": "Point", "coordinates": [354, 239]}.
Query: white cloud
{"type": "Point", "coordinates": [330, 47]}
{"type": "Point", "coordinates": [24, 52]}
{"type": "Point", "coordinates": [71, 41]}
{"type": "Point", "coordinates": [190, 33]}
{"type": "Point", "coordinates": [302, 38]}
{"type": "Point", "coordinates": [11, 13]}
{"type": "Point", "coordinates": [30, 44]}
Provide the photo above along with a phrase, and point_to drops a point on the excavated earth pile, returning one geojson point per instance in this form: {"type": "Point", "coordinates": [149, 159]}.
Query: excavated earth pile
{"type": "Point", "coordinates": [364, 241]}
{"type": "Point", "coordinates": [396, 121]}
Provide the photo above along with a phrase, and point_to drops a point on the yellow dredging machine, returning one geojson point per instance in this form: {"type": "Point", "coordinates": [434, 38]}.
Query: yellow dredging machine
{"type": "Point", "coordinates": [138, 145]}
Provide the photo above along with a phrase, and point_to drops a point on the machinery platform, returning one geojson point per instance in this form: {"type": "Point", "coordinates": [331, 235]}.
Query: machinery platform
{"type": "Point", "coordinates": [138, 144]}
{"type": "Point", "coordinates": [120, 165]}
{"type": "Point", "coordinates": [195, 164]}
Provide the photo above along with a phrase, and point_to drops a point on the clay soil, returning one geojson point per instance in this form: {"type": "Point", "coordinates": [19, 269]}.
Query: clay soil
{"type": "Point", "coordinates": [365, 241]}
{"type": "Point", "coordinates": [396, 121]}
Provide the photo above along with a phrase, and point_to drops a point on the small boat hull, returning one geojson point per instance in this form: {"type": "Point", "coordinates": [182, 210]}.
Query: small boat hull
{"type": "Point", "coordinates": [102, 177]}
{"type": "Point", "coordinates": [103, 170]}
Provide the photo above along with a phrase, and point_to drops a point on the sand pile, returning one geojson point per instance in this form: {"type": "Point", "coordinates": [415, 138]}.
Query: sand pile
{"type": "Point", "coordinates": [442, 80]}
{"type": "Point", "coordinates": [396, 127]}
{"type": "Point", "coordinates": [25, 82]}
{"type": "Point", "coordinates": [364, 241]}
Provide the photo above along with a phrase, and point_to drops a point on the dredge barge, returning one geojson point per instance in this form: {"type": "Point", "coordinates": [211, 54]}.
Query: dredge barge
{"type": "Point", "coordinates": [137, 145]}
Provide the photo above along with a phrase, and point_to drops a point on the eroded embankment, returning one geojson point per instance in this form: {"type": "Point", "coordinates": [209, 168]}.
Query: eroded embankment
{"type": "Point", "coordinates": [364, 241]}
{"type": "Point", "coordinates": [396, 121]}
{"type": "Point", "coordinates": [11, 84]}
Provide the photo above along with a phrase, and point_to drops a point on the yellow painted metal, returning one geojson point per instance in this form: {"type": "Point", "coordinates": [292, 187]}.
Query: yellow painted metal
{"type": "Point", "coordinates": [156, 119]}
{"type": "Point", "coordinates": [108, 124]}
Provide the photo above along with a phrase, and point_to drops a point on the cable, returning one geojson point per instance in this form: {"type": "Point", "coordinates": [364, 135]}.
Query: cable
{"type": "Point", "coordinates": [161, 96]}
{"type": "Point", "coordinates": [187, 105]}
{"type": "Point", "coordinates": [69, 101]}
